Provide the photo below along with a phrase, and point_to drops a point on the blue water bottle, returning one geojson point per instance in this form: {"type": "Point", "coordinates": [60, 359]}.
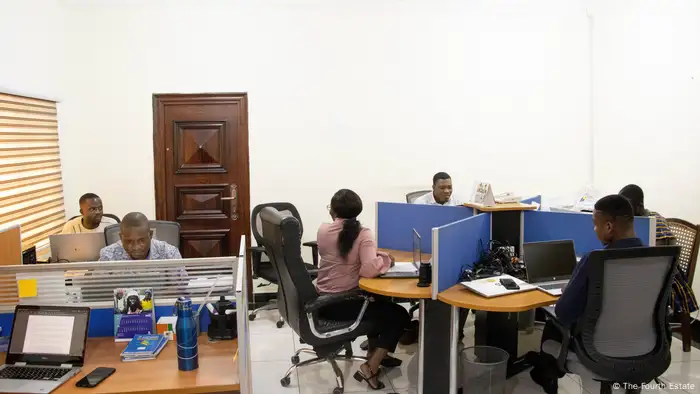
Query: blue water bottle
{"type": "Point", "coordinates": [186, 333]}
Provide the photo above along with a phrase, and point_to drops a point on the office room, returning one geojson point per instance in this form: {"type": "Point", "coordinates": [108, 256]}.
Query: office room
{"type": "Point", "coordinates": [197, 112]}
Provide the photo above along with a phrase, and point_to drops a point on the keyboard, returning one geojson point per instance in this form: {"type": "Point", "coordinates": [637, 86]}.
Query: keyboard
{"type": "Point", "coordinates": [33, 373]}
{"type": "Point", "coordinates": [552, 286]}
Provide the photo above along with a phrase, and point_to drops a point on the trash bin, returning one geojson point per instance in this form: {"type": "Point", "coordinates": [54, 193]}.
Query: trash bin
{"type": "Point", "coordinates": [484, 370]}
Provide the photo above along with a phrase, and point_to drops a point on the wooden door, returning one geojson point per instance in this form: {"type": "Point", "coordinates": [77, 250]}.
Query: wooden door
{"type": "Point", "coordinates": [200, 149]}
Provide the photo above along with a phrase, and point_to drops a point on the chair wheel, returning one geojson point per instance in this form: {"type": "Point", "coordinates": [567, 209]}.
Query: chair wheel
{"type": "Point", "coordinates": [364, 345]}
{"type": "Point", "coordinates": [295, 360]}
{"type": "Point", "coordinates": [279, 323]}
{"type": "Point", "coordinates": [285, 381]}
{"type": "Point", "coordinates": [337, 390]}
{"type": "Point", "coordinates": [251, 317]}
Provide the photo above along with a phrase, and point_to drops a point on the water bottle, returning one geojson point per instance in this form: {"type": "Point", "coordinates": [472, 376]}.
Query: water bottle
{"type": "Point", "coordinates": [186, 333]}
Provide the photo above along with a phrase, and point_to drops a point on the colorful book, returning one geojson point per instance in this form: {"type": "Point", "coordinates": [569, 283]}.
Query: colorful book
{"type": "Point", "coordinates": [133, 313]}
{"type": "Point", "coordinates": [144, 347]}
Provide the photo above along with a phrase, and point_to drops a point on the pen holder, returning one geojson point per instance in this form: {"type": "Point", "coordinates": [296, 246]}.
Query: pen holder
{"type": "Point", "coordinates": [222, 326]}
{"type": "Point", "coordinates": [425, 275]}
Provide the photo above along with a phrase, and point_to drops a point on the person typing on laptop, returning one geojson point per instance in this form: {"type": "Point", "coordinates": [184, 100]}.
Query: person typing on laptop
{"type": "Point", "coordinates": [348, 252]}
{"type": "Point", "coordinates": [613, 223]}
{"type": "Point", "coordinates": [91, 219]}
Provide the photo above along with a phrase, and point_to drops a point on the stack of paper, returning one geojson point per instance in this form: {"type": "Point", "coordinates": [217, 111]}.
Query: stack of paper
{"type": "Point", "coordinates": [144, 347]}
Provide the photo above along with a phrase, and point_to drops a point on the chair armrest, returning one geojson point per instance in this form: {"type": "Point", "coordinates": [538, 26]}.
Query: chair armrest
{"type": "Point", "coordinates": [314, 251]}
{"type": "Point", "coordinates": [256, 253]}
{"type": "Point", "coordinates": [330, 299]}
{"type": "Point", "coordinates": [566, 339]}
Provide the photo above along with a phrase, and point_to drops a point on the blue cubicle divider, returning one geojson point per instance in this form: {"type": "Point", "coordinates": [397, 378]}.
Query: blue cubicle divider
{"type": "Point", "coordinates": [395, 223]}
{"type": "Point", "coordinates": [551, 226]}
{"type": "Point", "coordinates": [533, 200]}
{"type": "Point", "coordinates": [102, 320]}
{"type": "Point", "coordinates": [459, 245]}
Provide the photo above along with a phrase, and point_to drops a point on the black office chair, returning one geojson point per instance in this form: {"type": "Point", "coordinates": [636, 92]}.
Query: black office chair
{"type": "Point", "coordinates": [613, 342]}
{"type": "Point", "coordinates": [263, 269]}
{"type": "Point", "coordinates": [109, 215]}
{"type": "Point", "coordinates": [163, 230]}
{"type": "Point", "coordinates": [300, 303]}
{"type": "Point", "coordinates": [410, 197]}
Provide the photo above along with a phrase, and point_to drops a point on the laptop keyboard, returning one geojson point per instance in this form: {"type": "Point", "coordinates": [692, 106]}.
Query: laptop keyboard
{"type": "Point", "coordinates": [552, 286]}
{"type": "Point", "coordinates": [31, 373]}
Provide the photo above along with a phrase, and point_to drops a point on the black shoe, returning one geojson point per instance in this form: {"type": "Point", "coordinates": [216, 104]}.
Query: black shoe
{"type": "Point", "coordinates": [550, 386]}
{"type": "Point", "coordinates": [391, 362]}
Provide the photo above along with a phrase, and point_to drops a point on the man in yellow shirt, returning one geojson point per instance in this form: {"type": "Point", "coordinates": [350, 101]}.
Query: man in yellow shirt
{"type": "Point", "coordinates": [91, 219]}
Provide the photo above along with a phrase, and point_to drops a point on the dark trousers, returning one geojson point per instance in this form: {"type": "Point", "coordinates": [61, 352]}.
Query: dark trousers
{"type": "Point", "coordinates": [547, 363]}
{"type": "Point", "coordinates": [463, 313]}
{"type": "Point", "coordinates": [389, 320]}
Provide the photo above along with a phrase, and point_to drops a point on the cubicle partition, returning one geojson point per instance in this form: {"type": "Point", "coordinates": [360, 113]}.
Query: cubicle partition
{"type": "Point", "coordinates": [457, 247]}
{"type": "Point", "coordinates": [537, 200]}
{"type": "Point", "coordinates": [245, 366]}
{"type": "Point", "coordinates": [577, 226]}
{"type": "Point", "coordinates": [396, 221]}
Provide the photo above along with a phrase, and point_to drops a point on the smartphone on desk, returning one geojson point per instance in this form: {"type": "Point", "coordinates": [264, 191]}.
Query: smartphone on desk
{"type": "Point", "coordinates": [509, 284]}
{"type": "Point", "coordinates": [95, 377]}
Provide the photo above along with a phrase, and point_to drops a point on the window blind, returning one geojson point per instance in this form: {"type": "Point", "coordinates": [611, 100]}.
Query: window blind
{"type": "Point", "coordinates": [31, 187]}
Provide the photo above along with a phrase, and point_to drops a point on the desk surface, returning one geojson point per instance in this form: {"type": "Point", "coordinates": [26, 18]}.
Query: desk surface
{"type": "Point", "coordinates": [502, 207]}
{"type": "Point", "coordinates": [217, 372]}
{"type": "Point", "coordinates": [460, 296]}
{"type": "Point", "coordinates": [397, 287]}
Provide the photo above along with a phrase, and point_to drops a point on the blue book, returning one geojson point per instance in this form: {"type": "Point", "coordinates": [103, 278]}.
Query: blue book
{"type": "Point", "coordinates": [144, 347]}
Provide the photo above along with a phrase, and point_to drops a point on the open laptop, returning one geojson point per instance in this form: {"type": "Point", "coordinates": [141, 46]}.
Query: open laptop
{"type": "Point", "coordinates": [71, 248]}
{"type": "Point", "coordinates": [47, 347]}
{"type": "Point", "coordinates": [407, 269]}
{"type": "Point", "coordinates": [549, 264]}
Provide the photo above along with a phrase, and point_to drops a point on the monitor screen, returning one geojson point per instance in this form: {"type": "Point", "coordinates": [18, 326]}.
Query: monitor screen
{"type": "Point", "coordinates": [549, 261]}
{"type": "Point", "coordinates": [49, 331]}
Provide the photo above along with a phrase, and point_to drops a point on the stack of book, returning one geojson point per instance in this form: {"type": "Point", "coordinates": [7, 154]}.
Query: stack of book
{"type": "Point", "coordinates": [144, 347]}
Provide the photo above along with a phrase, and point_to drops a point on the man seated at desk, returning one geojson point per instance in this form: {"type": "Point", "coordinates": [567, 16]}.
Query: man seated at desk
{"type": "Point", "coordinates": [91, 219]}
{"type": "Point", "coordinates": [136, 242]}
{"type": "Point", "coordinates": [613, 223]}
{"type": "Point", "coordinates": [441, 194]}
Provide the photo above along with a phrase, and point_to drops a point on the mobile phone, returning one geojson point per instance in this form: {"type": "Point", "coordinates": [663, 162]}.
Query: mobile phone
{"type": "Point", "coordinates": [95, 377]}
{"type": "Point", "coordinates": [509, 284]}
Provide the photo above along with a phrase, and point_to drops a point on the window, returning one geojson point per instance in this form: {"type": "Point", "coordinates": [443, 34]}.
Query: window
{"type": "Point", "coordinates": [31, 187]}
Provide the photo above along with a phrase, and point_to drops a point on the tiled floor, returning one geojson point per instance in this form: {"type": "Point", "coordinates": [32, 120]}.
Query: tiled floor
{"type": "Point", "coordinates": [272, 349]}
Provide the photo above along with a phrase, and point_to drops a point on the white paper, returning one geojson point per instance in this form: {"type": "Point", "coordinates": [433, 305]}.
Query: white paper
{"type": "Point", "coordinates": [402, 267]}
{"type": "Point", "coordinates": [48, 334]}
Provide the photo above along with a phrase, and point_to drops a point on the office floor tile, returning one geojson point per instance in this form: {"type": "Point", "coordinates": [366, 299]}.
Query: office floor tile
{"type": "Point", "coordinates": [267, 376]}
{"type": "Point", "coordinates": [405, 376]}
{"type": "Point", "coordinates": [265, 323]}
{"type": "Point", "coordinates": [277, 346]}
{"type": "Point", "coordinates": [319, 378]}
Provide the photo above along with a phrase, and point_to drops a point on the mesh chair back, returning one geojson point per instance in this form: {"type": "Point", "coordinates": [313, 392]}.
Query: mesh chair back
{"type": "Point", "coordinates": [284, 208]}
{"type": "Point", "coordinates": [282, 242]}
{"type": "Point", "coordinates": [623, 335]}
{"type": "Point", "coordinates": [411, 197]}
{"type": "Point", "coordinates": [163, 231]}
{"type": "Point", "coordinates": [687, 238]}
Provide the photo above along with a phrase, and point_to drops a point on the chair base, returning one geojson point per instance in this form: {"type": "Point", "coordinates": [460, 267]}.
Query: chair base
{"type": "Point", "coordinates": [331, 359]}
{"type": "Point", "coordinates": [272, 305]}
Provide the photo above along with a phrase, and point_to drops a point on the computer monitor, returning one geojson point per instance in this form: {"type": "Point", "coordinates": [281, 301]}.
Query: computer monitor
{"type": "Point", "coordinates": [549, 261]}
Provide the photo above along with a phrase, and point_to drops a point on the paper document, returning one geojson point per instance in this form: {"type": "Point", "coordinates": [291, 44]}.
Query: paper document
{"type": "Point", "coordinates": [48, 334]}
{"type": "Point", "coordinates": [402, 267]}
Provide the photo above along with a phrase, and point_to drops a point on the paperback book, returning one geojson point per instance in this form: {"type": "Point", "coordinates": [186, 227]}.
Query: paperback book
{"type": "Point", "coordinates": [144, 347]}
{"type": "Point", "coordinates": [133, 313]}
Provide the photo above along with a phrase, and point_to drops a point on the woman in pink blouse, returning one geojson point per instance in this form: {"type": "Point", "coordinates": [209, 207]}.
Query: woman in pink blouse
{"type": "Point", "coordinates": [348, 252]}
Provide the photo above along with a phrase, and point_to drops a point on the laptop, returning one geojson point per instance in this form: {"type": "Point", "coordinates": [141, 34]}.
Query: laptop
{"type": "Point", "coordinates": [407, 269]}
{"type": "Point", "coordinates": [549, 264]}
{"type": "Point", "coordinates": [71, 248]}
{"type": "Point", "coordinates": [47, 348]}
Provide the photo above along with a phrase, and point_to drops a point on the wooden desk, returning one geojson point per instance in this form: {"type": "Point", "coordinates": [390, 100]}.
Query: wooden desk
{"type": "Point", "coordinates": [217, 372]}
{"type": "Point", "coordinates": [460, 296]}
{"type": "Point", "coordinates": [397, 287]}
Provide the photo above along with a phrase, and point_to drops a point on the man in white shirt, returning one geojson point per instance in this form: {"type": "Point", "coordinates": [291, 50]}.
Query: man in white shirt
{"type": "Point", "coordinates": [91, 219]}
{"type": "Point", "coordinates": [441, 194]}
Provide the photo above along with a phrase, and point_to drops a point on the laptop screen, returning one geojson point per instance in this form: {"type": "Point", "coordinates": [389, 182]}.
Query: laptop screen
{"type": "Point", "coordinates": [47, 333]}
{"type": "Point", "coordinates": [417, 256]}
{"type": "Point", "coordinates": [549, 261]}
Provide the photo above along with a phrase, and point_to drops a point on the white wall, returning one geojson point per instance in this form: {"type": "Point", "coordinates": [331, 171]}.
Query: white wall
{"type": "Point", "coordinates": [366, 94]}
{"type": "Point", "coordinates": [646, 94]}
{"type": "Point", "coordinates": [31, 48]}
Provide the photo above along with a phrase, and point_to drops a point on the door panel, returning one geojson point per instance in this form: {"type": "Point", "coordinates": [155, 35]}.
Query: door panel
{"type": "Point", "coordinates": [201, 170]}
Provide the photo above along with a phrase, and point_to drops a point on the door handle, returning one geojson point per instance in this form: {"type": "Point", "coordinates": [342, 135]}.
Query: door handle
{"type": "Point", "coordinates": [233, 201]}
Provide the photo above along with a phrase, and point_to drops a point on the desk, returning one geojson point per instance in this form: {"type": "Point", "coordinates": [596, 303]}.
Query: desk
{"type": "Point", "coordinates": [434, 322]}
{"type": "Point", "coordinates": [506, 221]}
{"type": "Point", "coordinates": [499, 326]}
{"type": "Point", "coordinates": [217, 372]}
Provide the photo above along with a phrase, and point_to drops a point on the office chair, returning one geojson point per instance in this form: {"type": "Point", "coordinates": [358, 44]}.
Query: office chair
{"type": "Point", "coordinates": [263, 269]}
{"type": "Point", "coordinates": [300, 303]}
{"type": "Point", "coordinates": [163, 231]}
{"type": "Point", "coordinates": [109, 215]}
{"type": "Point", "coordinates": [410, 197]}
{"type": "Point", "coordinates": [687, 238]}
{"type": "Point", "coordinates": [613, 343]}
